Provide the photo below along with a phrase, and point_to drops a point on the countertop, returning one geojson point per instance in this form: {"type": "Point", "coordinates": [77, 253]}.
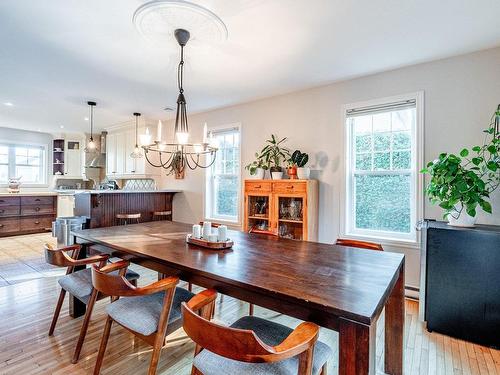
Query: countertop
{"type": "Point", "coordinates": [71, 192]}
{"type": "Point", "coordinates": [27, 193]}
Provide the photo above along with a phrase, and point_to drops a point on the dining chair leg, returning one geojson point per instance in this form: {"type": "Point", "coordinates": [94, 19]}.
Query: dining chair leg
{"type": "Point", "coordinates": [102, 347]}
{"type": "Point", "coordinates": [190, 287]}
{"type": "Point", "coordinates": [85, 326]}
{"type": "Point", "coordinates": [323, 370]}
{"type": "Point", "coordinates": [195, 371]}
{"type": "Point", "coordinates": [250, 309]}
{"type": "Point", "coordinates": [56, 312]}
{"type": "Point", "coordinates": [155, 356]}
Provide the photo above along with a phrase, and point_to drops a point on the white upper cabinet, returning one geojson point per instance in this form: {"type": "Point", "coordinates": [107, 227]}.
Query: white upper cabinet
{"type": "Point", "coordinates": [73, 158]}
{"type": "Point", "coordinates": [120, 143]}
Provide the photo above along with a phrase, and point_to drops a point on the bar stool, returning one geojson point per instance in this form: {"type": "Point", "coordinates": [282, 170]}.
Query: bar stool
{"type": "Point", "coordinates": [125, 218]}
{"type": "Point", "coordinates": [162, 215]}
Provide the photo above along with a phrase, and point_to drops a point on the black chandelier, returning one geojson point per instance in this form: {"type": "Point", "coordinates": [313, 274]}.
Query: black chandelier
{"type": "Point", "coordinates": [174, 157]}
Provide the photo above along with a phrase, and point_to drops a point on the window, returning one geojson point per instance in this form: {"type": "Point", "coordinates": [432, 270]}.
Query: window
{"type": "Point", "coordinates": [26, 161]}
{"type": "Point", "coordinates": [222, 195]}
{"type": "Point", "coordinates": [382, 179]}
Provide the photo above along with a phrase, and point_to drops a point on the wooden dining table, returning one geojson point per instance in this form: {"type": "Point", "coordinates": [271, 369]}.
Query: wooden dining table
{"type": "Point", "coordinates": [340, 288]}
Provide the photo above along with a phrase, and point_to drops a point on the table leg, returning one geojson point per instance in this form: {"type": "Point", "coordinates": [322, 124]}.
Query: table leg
{"type": "Point", "coordinates": [394, 327]}
{"type": "Point", "coordinates": [76, 307]}
{"type": "Point", "coordinates": [356, 348]}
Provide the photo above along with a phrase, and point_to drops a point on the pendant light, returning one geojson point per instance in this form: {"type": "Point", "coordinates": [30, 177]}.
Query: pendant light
{"type": "Point", "coordinates": [181, 153]}
{"type": "Point", "coordinates": [91, 145]}
{"type": "Point", "coordinates": [137, 153]}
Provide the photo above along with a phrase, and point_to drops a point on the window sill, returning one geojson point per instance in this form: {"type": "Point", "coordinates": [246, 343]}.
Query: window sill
{"type": "Point", "coordinates": [385, 242]}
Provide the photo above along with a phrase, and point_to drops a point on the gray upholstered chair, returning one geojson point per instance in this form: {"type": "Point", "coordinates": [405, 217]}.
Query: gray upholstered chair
{"type": "Point", "coordinates": [78, 284]}
{"type": "Point", "coordinates": [149, 312]}
{"type": "Point", "coordinates": [251, 345]}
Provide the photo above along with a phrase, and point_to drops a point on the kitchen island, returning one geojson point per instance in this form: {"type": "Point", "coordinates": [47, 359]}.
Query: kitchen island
{"type": "Point", "coordinates": [102, 206]}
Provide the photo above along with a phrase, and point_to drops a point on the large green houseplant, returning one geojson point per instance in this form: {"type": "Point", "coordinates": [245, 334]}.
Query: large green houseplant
{"type": "Point", "coordinates": [274, 154]}
{"type": "Point", "coordinates": [462, 183]}
{"type": "Point", "coordinates": [257, 167]}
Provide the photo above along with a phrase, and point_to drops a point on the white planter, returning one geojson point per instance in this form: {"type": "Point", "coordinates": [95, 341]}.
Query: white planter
{"type": "Point", "coordinates": [464, 220]}
{"type": "Point", "coordinates": [259, 174]}
{"type": "Point", "coordinates": [277, 175]}
{"type": "Point", "coordinates": [303, 173]}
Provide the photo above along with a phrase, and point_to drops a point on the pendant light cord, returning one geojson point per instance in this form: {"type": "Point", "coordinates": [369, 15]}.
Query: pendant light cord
{"type": "Point", "coordinates": [180, 72]}
{"type": "Point", "coordinates": [91, 121]}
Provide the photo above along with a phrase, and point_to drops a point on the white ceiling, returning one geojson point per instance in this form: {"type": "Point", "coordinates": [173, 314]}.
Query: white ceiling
{"type": "Point", "coordinates": [57, 54]}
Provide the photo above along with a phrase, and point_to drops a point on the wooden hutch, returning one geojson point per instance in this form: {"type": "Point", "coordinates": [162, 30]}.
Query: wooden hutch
{"type": "Point", "coordinates": [288, 208]}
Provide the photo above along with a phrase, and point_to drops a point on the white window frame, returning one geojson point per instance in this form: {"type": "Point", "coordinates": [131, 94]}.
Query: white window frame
{"type": "Point", "coordinates": [208, 193]}
{"type": "Point", "coordinates": [417, 200]}
{"type": "Point", "coordinates": [44, 167]}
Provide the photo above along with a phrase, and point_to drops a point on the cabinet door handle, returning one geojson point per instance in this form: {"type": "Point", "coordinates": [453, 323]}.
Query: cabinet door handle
{"type": "Point", "coordinates": [37, 209]}
{"type": "Point", "coordinates": [37, 200]}
{"type": "Point", "coordinates": [258, 186]}
{"type": "Point", "coordinates": [289, 187]}
{"type": "Point", "coordinates": [1, 225]}
{"type": "Point", "coordinates": [37, 222]}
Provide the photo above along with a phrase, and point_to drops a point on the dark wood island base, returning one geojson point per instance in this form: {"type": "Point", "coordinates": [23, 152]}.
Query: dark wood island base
{"type": "Point", "coordinates": [103, 206]}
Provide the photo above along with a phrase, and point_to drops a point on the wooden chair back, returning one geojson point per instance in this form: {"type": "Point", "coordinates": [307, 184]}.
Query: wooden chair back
{"type": "Point", "coordinates": [359, 244]}
{"type": "Point", "coordinates": [119, 286]}
{"type": "Point", "coordinates": [244, 345]}
{"type": "Point", "coordinates": [59, 257]}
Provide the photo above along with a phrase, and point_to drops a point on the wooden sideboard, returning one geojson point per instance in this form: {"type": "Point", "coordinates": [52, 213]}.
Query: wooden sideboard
{"type": "Point", "coordinates": [26, 214]}
{"type": "Point", "coordinates": [288, 208]}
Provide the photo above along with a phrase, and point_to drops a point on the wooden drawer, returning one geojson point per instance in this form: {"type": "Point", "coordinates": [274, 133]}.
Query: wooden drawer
{"type": "Point", "coordinates": [36, 223]}
{"type": "Point", "coordinates": [37, 200]}
{"type": "Point", "coordinates": [37, 209]}
{"type": "Point", "coordinates": [258, 186]}
{"type": "Point", "coordinates": [10, 201]}
{"type": "Point", "coordinates": [9, 225]}
{"type": "Point", "coordinates": [287, 187]}
{"type": "Point", "coordinates": [9, 211]}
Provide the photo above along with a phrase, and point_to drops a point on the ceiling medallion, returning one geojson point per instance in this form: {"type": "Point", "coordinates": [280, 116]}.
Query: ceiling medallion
{"type": "Point", "coordinates": [157, 20]}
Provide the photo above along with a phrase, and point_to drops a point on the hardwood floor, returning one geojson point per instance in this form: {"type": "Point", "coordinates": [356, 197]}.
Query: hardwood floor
{"type": "Point", "coordinates": [26, 310]}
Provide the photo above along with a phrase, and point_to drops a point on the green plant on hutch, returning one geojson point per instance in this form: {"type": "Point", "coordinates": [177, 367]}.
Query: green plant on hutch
{"type": "Point", "coordinates": [464, 182]}
{"type": "Point", "coordinates": [274, 154]}
{"type": "Point", "coordinates": [257, 167]}
{"type": "Point", "coordinates": [297, 160]}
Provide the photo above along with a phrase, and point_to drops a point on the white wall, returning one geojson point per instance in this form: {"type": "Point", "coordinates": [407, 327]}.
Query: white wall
{"type": "Point", "coordinates": [461, 93]}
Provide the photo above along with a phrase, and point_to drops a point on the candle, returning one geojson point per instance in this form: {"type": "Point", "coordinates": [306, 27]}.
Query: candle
{"type": "Point", "coordinates": [145, 138]}
{"type": "Point", "coordinates": [158, 133]}
{"type": "Point", "coordinates": [196, 231]}
{"type": "Point", "coordinates": [212, 238]}
{"type": "Point", "coordinates": [207, 229]}
{"type": "Point", "coordinates": [205, 130]}
{"type": "Point", "coordinates": [222, 233]}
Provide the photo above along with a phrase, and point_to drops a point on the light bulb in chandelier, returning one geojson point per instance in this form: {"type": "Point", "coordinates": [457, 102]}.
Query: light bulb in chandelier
{"type": "Point", "coordinates": [182, 137]}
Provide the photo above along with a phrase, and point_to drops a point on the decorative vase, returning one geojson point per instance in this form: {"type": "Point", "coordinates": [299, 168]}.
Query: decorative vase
{"type": "Point", "coordinates": [259, 174]}
{"type": "Point", "coordinates": [464, 220]}
{"type": "Point", "coordinates": [292, 172]}
{"type": "Point", "coordinates": [277, 175]}
{"type": "Point", "coordinates": [304, 173]}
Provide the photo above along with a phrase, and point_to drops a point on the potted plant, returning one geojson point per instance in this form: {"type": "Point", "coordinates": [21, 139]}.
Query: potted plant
{"type": "Point", "coordinates": [296, 161]}
{"type": "Point", "coordinates": [273, 154]}
{"type": "Point", "coordinates": [462, 183]}
{"type": "Point", "coordinates": [257, 168]}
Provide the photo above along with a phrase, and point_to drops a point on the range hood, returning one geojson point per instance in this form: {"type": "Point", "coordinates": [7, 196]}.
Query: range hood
{"type": "Point", "coordinates": [99, 160]}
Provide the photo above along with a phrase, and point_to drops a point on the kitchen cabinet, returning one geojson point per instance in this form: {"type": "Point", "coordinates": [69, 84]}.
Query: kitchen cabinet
{"type": "Point", "coordinates": [25, 214]}
{"type": "Point", "coordinates": [119, 163]}
{"type": "Point", "coordinates": [67, 159]}
{"type": "Point", "coordinates": [288, 208]}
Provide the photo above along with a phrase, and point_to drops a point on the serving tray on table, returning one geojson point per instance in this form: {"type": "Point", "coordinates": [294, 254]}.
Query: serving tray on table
{"type": "Point", "coordinates": [209, 245]}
